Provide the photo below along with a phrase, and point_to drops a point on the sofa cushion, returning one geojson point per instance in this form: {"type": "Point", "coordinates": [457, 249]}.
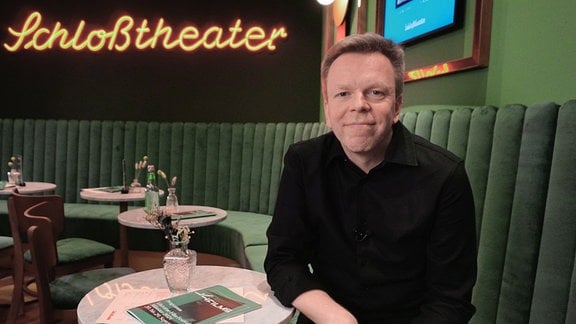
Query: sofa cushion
{"type": "Point", "coordinates": [495, 222]}
{"type": "Point", "coordinates": [238, 231]}
{"type": "Point", "coordinates": [107, 212]}
{"type": "Point", "coordinates": [554, 296]}
{"type": "Point", "coordinates": [527, 214]}
{"type": "Point", "coordinates": [252, 226]}
{"type": "Point", "coordinates": [98, 222]}
{"type": "Point", "coordinates": [256, 255]}
{"type": "Point", "coordinates": [72, 249]}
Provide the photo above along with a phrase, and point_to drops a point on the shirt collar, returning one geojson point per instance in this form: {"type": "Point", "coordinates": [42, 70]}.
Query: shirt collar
{"type": "Point", "coordinates": [401, 149]}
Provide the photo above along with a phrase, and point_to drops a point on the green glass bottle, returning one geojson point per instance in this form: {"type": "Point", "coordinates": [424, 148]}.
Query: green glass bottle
{"type": "Point", "coordinates": [151, 193]}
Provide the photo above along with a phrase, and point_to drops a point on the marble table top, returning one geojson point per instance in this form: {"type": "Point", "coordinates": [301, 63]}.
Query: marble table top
{"type": "Point", "coordinates": [137, 217]}
{"type": "Point", "coordinates": [31, 187]}
{"type": "Point", "coordinates": [100, 194]}
{"type": "Point", "coordinates": [252, 283]}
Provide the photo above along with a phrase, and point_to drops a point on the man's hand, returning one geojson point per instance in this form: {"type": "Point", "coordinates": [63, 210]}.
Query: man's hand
{"type": "Point", "coordinates": [320, 308]}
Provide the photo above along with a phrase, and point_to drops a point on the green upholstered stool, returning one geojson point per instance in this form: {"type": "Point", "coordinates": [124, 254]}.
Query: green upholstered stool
{"type": "Point", "coordinates": [67, 291]}
{"type": "Point", "coordinates": [6, 253]}
{"type": "Point", "coordinates": [6, 242]}
{"type": "Point", "coordinates": [58, 297]}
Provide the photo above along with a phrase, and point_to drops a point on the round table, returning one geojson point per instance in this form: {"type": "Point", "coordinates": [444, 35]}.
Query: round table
{"type": "Point", "coordinates": [253, 284]}
{"type": "Point", "coordinates": [30, 188]}
{"type": "Point", "coordinates": [103, 194]}
{"type": "Point", "coordinates": [100, 194]}
{"type": "Point", "coordinates": [136, 218]}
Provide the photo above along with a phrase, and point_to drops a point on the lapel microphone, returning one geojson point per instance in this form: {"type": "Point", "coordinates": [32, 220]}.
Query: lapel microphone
{"type": "Point", "coordinates": [360, 233]}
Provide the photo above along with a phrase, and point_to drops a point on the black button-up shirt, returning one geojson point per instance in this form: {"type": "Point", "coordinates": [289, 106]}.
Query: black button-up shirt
{"type": "Point", "coordinates": [395, 245]}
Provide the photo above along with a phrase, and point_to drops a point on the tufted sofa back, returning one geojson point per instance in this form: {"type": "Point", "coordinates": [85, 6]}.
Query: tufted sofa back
{"type": "Point", "coordinates": [520, 159]}
{"type": "Point", "coordinates": [521, 163]}
{"type": "Point", "coordinates": [231, 166]}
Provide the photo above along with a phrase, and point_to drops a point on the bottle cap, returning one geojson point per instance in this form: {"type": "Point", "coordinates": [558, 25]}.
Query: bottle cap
{"type": "Point", "coordinates": [150, 167]}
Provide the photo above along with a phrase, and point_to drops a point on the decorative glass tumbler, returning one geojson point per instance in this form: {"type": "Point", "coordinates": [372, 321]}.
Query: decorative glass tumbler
{"type": "Point", "coordinates": [179, 264]}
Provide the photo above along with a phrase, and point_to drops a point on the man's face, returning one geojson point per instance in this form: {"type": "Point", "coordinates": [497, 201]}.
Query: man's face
{"type": "Point", "coordinates": [360, 104]}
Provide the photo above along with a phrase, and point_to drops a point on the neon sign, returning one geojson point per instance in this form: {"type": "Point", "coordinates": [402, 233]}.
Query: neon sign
{"type": "Point", "coordinates": [434, 70]}
{"type": "Point", "coordinates": [128, 33]}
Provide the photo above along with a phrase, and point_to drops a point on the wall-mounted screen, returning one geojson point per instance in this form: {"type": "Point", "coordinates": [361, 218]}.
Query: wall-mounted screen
{"type": "Point", "coordinates": [410, 21]}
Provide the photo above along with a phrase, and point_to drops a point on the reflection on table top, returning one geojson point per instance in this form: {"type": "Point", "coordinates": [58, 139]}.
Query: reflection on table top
{"type": "Point", "coordinates": [101, 194]}
{"type": "Point", "coordinates": [254, 285]}
{"type": "Point", "coordinates": [137, 217]}
{"type": "Point", "coordinates": [31, 187]}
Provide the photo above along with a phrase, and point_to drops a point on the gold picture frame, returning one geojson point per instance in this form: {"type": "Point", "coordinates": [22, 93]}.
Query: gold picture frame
{"type": "Point", "coordinates": [480, 45]}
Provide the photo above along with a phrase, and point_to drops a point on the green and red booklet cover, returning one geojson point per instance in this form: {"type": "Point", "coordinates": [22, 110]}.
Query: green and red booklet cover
{"type": "Point", "coordinates": [207, 305]}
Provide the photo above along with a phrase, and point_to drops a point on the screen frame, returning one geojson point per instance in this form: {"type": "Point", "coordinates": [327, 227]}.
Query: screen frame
{"type": "Point", "coordinates": [480, 45]}
{"type": "Point", "coordinates": [456, 23]}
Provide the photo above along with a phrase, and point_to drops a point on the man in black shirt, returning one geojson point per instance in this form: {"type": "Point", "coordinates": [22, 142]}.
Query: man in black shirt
{"type": "Point", "coordinates": [372, 223]}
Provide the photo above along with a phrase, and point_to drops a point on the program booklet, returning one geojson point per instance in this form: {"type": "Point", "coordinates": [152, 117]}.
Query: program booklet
{"type": "Point", "coordinates": [207, 305]}
{"type": "Point", "coordinates": [107, 189]}
{"type": "Point", "coordinates": [194, 214]}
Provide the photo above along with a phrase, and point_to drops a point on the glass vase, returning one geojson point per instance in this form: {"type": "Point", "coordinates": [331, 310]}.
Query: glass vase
{"type": "Point", "coordinates": [171, 202]}
{"type": "Point", "coordinates": [179, 264]}
{"type": "Point", "coordinates": [15, 174]}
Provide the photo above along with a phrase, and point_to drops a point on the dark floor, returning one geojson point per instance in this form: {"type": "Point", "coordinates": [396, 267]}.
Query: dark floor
{"type": "Point", "coordinates": [139, 261]}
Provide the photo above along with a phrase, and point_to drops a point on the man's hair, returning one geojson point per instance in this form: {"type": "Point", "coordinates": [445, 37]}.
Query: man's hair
{"type": "Point", "coordinates": [366, 43]}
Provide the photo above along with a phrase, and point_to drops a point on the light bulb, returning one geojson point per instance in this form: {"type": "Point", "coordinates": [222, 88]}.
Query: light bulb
{"type": "Point", "coordinates": [325, 2]}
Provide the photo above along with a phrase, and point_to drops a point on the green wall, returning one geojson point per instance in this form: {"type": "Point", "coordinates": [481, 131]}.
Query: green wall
{"type": "Point", "coordinates": [532, 57]}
